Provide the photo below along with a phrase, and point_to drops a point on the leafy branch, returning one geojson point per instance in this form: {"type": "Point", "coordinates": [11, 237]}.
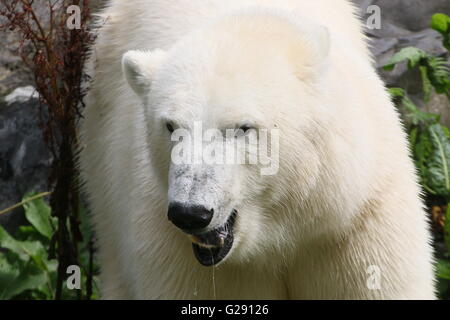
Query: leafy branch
{"type": "Point", "coordinates": [56, 55]}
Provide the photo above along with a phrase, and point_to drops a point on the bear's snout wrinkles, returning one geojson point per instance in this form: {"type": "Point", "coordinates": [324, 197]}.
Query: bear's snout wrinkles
{"type": "Point", "coordinates": [189, 217]}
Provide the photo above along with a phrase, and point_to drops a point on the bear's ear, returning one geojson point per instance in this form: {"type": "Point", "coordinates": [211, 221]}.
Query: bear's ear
{"type": "Point", "coordinates": [322, 42]}
{"type": "Point", "coordinates": [315, 49]}
{"type": "Point", "coordinates": [138, 67]}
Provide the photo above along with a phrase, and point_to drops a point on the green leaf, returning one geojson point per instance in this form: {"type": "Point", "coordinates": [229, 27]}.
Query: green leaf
{"type": "Point", "coordinates": [413, 113]}
{"type": "Point", "coordinates": [440, 22]}
{"type": "Point", "coordinates": [7, 275]}
{"type": "Point", "coordinates": [422, 151]}
{"type": "Point", "coordinates": [438, 73]}
{"type": "Point", "coordinates": [24, 266]}
{"type": "Point", "coordinates": [439, 162]}
{"type": "Point", "coordinates": [24, 233]}
{"type": "Point", "coordinates": [427, 85]}
{"type": "Point", "coordinates": [446, 131]}
{"type": "Point", "coordinates": [38, 213]}
{"type": "Point", "coordinates": [20, 283]}
{"type": "Point", "coordinates": [413, 138]}
{"type": "Point", "coordinates": [25, 249]}
{"type": "Point", "coordinates": [411, 54]}
{"type": "Point", "coordinates": [17, 276]}
{"type": "Point", "coordinates": [397, 92]}
{"type": "Point", "coordinates": [447, 228]}
{"type": "Point", "coordinates": [443, 269]}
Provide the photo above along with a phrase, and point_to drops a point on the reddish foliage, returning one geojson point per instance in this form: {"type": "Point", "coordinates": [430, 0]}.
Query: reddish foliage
{"type": "Point", "coordinates": [56, 55]}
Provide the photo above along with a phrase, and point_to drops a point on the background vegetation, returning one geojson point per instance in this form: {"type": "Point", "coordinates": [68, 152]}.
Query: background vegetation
{"type": "Point", "coordinates": [34, 262]}
{"type": "Point", "coordinates": [430, 142]}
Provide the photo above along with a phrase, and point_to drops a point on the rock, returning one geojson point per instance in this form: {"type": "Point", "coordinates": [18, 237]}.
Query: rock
{"type": "Point", "coordinates": [439, 104]}
{"type": "Point", "coordinates": [21, 94]}
{"type": "Point", "coordinates": [24, 158]}
{"type": "Point", "coordinates": [405, 23]}
{"type": "Point", "coordinates": [413, 15]}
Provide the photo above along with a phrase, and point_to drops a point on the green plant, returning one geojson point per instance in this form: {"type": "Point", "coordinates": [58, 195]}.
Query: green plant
{"type": "Point", "coordinates": [26, 272]}
{"type": "Point", "coordinates": [429, 139]}
{"type": "Point", "coordinates": [434, 71]}
{"type": "Point", "coordinates": [441, 23]}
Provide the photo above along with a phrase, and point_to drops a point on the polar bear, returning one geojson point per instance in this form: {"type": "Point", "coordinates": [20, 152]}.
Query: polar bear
{"type": "Point", "coordinates": [340, 217]}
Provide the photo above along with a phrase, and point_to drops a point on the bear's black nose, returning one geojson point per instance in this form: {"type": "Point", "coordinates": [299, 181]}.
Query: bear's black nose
{"type": "Point", "coordinates": [189, 218]}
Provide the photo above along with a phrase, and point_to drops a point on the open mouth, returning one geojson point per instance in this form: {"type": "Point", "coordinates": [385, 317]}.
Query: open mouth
{"type": "Point", "coordinates": [212, 247]}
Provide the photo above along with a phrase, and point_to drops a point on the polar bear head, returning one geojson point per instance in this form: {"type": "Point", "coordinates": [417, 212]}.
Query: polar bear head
{"type": "Point", "coordinates": [247, 83]}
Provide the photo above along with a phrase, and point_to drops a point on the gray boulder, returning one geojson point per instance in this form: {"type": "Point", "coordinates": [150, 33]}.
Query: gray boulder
{"type": "Point", "coordinates": [405, 23]}
{"type": "Point", "coordinates": [24, 158]}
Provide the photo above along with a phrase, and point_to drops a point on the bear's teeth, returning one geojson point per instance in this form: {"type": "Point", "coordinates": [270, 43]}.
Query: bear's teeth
{"type": "Point", "coordinates": [206, 246]}
{"type": "Point", "coordinates": [198, 242]}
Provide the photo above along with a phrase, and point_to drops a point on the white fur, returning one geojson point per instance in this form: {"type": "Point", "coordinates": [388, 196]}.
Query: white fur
{"type": "Point", "coordinates": [345, 197]}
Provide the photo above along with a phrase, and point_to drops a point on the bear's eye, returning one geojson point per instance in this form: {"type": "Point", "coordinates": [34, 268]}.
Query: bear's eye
{"type": "Point", "coordinates": [169, 127]}
{"type": "Point", "coordinates": [243, 130]}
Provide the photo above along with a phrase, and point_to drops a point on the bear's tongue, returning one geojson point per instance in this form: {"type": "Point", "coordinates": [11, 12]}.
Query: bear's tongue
{"type": "Point", "coordinates": [212, 247]}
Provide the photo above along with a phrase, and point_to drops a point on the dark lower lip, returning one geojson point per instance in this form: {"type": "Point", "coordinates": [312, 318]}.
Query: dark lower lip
{"type": "Point", "coordinates": [212, 256]}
